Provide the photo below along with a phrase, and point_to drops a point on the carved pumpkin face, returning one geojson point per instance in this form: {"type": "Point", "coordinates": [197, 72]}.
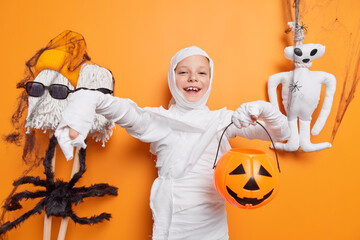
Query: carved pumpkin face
{"type": "Point", "coordinates": [246, 178]}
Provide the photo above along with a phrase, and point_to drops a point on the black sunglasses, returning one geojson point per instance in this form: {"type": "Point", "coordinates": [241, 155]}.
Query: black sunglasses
{"type": "Point", "coordinates": [57, 91]}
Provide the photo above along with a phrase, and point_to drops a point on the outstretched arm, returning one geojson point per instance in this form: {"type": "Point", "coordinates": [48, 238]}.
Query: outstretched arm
{"type": "Point", "coordinates": [79, 115]}
{"type": "Point", "coordinates": [84, 104]}
{"type": "Point", "coordinates": [330, 84]}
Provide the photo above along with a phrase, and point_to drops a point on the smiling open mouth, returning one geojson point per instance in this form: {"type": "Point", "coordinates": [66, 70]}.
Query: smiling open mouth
{"type": "Point", "coordinates": [245, 201]}
{"type": "Point", "coordinates": [192, 89]}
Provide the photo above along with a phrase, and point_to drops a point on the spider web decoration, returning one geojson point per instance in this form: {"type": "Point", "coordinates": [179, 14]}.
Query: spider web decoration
{"type": "Point", "coordinates": [341, 29]}
{"type": "Point", "coordinates": [58, 196]}
{"type": "Point", "coordinates": [75, 47]}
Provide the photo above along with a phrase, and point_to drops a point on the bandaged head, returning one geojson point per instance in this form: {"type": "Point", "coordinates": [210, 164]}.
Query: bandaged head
{"type": "Point", "coordinates": [177, 96]}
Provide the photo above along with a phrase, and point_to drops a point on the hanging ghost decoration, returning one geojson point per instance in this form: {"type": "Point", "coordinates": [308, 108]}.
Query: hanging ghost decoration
{"type": "Point", "coordinates": [64, 60]}
{"type": "Point", "coordinates": [301, 89]}
{"type": "Point", "coordinates": [66, 64]}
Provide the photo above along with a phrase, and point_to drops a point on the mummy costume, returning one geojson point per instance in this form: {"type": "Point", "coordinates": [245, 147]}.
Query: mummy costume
{"type": "Point", "coordinates": [184, 201]}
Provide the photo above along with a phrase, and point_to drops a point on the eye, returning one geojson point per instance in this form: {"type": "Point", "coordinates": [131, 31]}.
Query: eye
{"type": "Point", "coordinates": [264, 172]}
{"type": "Point", "coordinates": [313, 52]}
{"type": "Point", "coordinates": [298, 52]}
{"type": "Point", "coordinates": [239, 170]}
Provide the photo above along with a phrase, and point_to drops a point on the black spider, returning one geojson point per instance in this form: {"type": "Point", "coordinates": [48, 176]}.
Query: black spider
{"type": "Point", "coordinates": [59, 196]}
{"type": "Point", "coordinates": [299, 27]}
{"type": "Point", "coordinates": [295, 87]}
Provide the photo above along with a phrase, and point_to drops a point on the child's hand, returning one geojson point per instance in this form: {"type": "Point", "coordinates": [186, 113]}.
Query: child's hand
{"type": "Point", "coordinates": [247, 114]}
{"type": "Point", "coordinates": [80, 114]}
{"type": "Point", "coordinates": [73, 133]}
{"type": "Point", "coordinates": [68, 138]}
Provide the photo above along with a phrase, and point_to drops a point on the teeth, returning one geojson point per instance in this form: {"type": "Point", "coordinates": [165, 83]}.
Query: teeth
{"type": "Point", "coordinates": [192, 89]}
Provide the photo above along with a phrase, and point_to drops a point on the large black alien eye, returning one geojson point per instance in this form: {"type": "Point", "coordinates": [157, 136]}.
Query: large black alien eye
{"type": "Point", "coordinates": [264, 172]}
{"type": "Point", "coordinates": [313, 52]}
{"type": "Point", "coordinates": [298, 52]}
{"type": "Point", "coordinates": [239, 170]}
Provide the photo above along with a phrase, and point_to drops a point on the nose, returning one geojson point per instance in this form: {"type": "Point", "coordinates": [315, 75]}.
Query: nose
{"type": "Point", "coordinates": [251, 185]}
{"type": "Point", "coordinates": [193, 78]}
{"type": "Point", "coordinates": [306, 60]}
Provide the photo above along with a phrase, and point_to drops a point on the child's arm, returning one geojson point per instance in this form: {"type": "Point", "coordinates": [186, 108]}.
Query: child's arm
{"type": "Point", "coordinates": [245, 117]}
{"type": "Point", "coordinates": [79, 115]}
{"type": "Point", "coordinates": [84, 104]}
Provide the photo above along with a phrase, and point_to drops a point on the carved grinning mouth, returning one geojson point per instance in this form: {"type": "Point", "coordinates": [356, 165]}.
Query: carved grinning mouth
{"type": "Point", "coordinates": [245, 201]}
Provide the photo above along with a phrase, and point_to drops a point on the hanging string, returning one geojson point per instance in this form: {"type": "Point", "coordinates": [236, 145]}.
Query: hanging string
{"type": "Point", "coordinates": [297, 12]}
{"type": "Point", "coordinates": [218, 148]}
{"type": "Point", "coordinates": [298, 37]}
{"type": "Point", "coordinates": [273, 144]}
{"type": "Point", "coordinates": [298, 30]}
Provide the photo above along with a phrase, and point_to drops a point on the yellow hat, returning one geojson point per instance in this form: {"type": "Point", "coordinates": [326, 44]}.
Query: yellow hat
{"type": "Point", "coordinates": [65, 54]}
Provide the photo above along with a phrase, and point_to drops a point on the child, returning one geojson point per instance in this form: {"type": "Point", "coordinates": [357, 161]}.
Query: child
{"type": "Point", "coordinates": [184, 201]}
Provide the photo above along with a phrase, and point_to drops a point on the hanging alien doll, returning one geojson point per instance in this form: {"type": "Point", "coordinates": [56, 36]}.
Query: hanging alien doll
{"type": "Point", "coordinates": [301, 89]}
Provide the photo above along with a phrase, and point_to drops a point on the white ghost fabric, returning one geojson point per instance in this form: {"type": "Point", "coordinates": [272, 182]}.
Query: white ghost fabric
{"type": "Point", "coordinates": [94, 76]}
{"type": "Point", "coordinates": [184, 201]}
{"type": "Point", "coordinates": [45, 112]}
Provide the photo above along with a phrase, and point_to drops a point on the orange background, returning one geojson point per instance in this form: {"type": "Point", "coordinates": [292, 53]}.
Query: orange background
{"type": "Point", "coordinates": [318, 197]}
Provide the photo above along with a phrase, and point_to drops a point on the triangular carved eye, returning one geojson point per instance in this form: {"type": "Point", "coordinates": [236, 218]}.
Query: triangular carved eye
{"type": "Point", "coordinates": [239, 170]}
{"type": "Point", "coordinates": [264, 172]}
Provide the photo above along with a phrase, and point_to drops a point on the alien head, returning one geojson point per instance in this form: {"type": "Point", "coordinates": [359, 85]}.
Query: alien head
{"type": "Point", "coordinates": [303, 55]}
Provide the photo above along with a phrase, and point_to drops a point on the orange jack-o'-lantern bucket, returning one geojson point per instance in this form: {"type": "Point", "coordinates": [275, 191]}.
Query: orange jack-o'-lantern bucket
{"type": "Point", "coordinates": [247, 178]}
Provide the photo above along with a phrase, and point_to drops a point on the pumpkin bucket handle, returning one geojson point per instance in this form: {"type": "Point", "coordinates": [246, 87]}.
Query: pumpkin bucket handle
{"type": "Point", "coordinates": [217, 152]}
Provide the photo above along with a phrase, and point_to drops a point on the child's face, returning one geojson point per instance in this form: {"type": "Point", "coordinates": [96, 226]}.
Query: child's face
{"type": "Point", "coordinates": [192, 77]}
